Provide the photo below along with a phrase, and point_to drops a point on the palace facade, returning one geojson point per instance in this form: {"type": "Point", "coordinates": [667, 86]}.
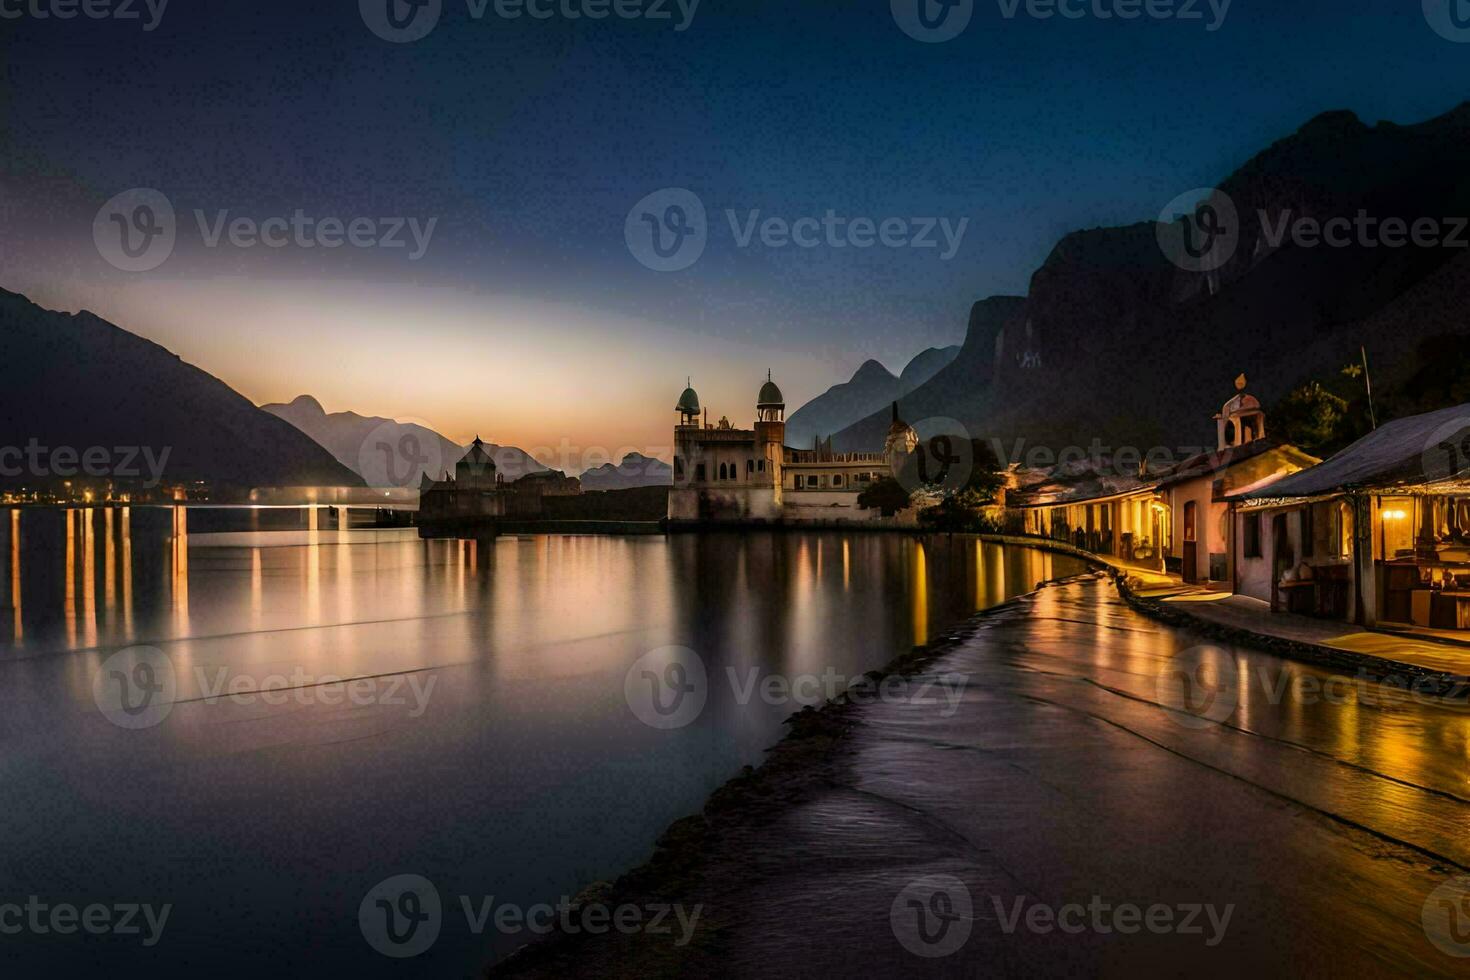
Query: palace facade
{"type": "Point", "coordinates": [725, 474]}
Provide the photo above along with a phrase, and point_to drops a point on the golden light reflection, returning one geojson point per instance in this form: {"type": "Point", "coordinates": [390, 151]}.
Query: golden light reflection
{"type": "Point", "coordinates": [256, 586]}
{"type": "Point", "coordinates": [921, 595]}
{"type": "Point", "coordinates": [126, 520]}
{"type": "Point", "coordinates": [17, 629]}
{"type": "Point", "coordinates": [109, 566]}
{"type": "Point", "coordinates": [179, 578]}
{"type": "Point", "coordinates": [846, 567]}
{"type": "Point", "coordinates": [69, 600]}
{"type": "Point", "coordinates": [89, 580]}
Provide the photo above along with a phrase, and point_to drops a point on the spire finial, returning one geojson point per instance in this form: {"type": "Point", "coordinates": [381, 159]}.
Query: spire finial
{"type": "Point", "coordinates": [768, 374]}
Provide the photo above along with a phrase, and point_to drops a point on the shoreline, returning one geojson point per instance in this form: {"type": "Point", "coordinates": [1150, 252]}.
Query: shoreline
{"type": "Point", "coordinates": [806, 758]}
{"type": "Point", "coordinates": [795, 765]}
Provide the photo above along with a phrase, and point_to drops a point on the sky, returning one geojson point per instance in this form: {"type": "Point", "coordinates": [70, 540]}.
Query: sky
{"type": "Point", "coordinates": [531, 153]}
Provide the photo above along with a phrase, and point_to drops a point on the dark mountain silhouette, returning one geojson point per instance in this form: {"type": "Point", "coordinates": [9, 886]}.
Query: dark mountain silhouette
{"type": "Point", "coordinates": [1117, 343]}
{"type": "Point", "coordinates": [871, 387]}
{"type": "Point", "coordinates": [635, 470]}
{"type": "Point", "coordinates": [75, 380]}
{"type": "Point", "coordinates": [389, 453]}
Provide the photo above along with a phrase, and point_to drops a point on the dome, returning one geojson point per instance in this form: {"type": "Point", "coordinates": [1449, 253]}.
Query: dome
{"type": "Point", "coordinates": [688, 403]}
{"type": "Point", "coordinates": [770, 395]}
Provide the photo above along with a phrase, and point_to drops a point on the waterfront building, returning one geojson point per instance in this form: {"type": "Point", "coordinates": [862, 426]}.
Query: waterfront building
{"type": "Point", "coordinates": [476, 490]}
{"type": "Point", "coordinates": [1377, 534]}
{"type": "Point", "coordinates": [1173, 517]}
{"type": "Point", "coordinates": [1244, 460]}
{"type": "Point", "coordinates": [725, 474]}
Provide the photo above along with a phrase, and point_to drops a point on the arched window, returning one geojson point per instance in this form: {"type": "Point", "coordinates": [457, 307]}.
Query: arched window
{"type": "Point", "coordinates": [722, 471]}
{"type": "Point", "coordinates": [760, 465]}
{"type": "Point", "coordinates": [749, 466]}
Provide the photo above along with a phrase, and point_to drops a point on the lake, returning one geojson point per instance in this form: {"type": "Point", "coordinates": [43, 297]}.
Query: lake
{"type": "Point", "coordinates": [255, 727]}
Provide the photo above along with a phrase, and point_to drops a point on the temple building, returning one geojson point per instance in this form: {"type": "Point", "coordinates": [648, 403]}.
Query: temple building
{"type": "Point", "coordinates": [725, 474]}
{"type": "Point", "coordinates": [477, 491]}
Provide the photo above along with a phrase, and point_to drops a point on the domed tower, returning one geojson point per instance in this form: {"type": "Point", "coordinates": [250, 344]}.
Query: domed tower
{"type": "Point", "coordinates": [688, 407]}
{"type": "Point", "coordinates": [1242, 420]}
{"type": "Point", "coordinates": [901, 439]}
{"type": "Point", "coordinates": [476, 471]}
{"type": "Point", "coordinates": [770, 405]}
{"type": "Point", "coordinates": [770, 433]}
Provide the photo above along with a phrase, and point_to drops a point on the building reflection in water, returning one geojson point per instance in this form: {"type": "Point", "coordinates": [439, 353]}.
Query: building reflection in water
{"type": "Point", "coordinates": [920, 589]}
{"type": "Point", "coordinates": [13, 612]}
{"type": "Point", "coordinates": [179, 566]}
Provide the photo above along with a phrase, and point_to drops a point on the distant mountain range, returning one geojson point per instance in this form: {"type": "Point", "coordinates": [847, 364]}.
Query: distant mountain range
{"type": "Point", "coordinates": [872, 388]}
{"type": "Point", "coordinates": [635, 470]}
{"type": "Point", "coordinates": [1116, 342]}
{"type": "Point", "coordinates": [74, 383]}
{"type": "Point", "coordinates": [389, 453]}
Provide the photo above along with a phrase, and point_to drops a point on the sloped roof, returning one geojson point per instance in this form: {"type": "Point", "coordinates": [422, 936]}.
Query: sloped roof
{"type": "Point", "coordinates": [1415, 451]}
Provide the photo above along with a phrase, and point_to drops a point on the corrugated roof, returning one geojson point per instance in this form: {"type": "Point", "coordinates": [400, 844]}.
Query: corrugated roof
{"type": "Point", "coordinates": [1415, 451]}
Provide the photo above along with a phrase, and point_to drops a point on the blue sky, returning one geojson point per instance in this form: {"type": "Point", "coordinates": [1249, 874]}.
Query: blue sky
{"type": "Point", "coordinates": [529, 141]}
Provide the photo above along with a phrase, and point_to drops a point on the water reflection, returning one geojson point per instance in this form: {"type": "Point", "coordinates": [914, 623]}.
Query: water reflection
{"type": "Point", "coordinates": [525, 776]}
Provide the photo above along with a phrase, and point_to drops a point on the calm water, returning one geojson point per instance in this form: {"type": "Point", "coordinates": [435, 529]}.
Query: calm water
{"type": "Point", "coordinates": [490, 748]}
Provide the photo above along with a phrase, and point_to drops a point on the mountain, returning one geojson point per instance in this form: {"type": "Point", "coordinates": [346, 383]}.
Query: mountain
{"type": "Point", "coordinates": [871, 388]}
{"type": "Point", "coordinates": [77, 382]}
{"type": "Point", "coordinates": [386, 452]}
{"type": "Point", "coordinates": [636, 470]}
{"type": "Point", "coordinates": [1116, 342]}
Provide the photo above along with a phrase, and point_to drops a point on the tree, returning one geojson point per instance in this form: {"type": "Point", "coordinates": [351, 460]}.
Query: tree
{"type": "Point", "coordinates": [886, 494]}
{"type": "Point", "coordinates": [1313, 419]}
{"type": "Point", "coordinates": [962, 508]}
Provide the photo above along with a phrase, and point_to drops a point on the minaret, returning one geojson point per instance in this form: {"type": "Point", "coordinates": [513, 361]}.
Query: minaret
{"type": "Point", "coordinates": [770, 429]}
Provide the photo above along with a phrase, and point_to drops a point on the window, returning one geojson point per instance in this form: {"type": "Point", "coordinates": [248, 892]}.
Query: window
{"type": "Point", "coordinates": [796, 481]}
{"type": "Point", "coordinates": [722, 471]}
{"type": "Point", "coordinates": [1252, 531]}
{"type": "Point", "coordinates": [1309, 532]}
{"type": "Point", "coordinates": [699, 472]}
{"type": "Point", "coordinates": [760, 465]}
{"type": "Point", "coordinates": [679, 466]}
{"type": "Point", "coordinates": [865, 478]}
{"type": "Point", "coordinates": [837, 480]}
